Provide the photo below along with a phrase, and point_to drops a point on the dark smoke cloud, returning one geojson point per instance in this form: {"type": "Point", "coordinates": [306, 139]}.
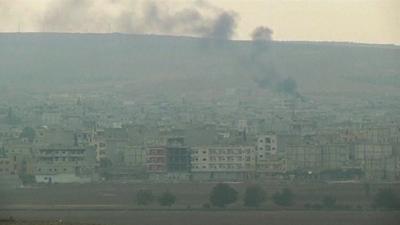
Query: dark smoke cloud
{"type": "Point", "coordinates": [224, 26]}
{"type": "Point", "coordinates": [266, 74]}
{"type": "Point", "coordinates": [261, 39]}
{"type": "Point", "coordinates": [199, 18]}
{"type": "Point", "coordinates": [262, 34]}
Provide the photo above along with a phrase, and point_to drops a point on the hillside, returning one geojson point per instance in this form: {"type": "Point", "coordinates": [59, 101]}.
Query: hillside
{"type": "Point", "coordinates": [32, 60]}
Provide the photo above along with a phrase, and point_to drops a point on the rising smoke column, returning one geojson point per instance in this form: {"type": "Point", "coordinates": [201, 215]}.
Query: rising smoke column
{"type": "Point", "coordinates": [264, 69]}
{"type": "Point", "coordinates": [267, 75]}
{"type": "Point", "coordinates": [223, 27]}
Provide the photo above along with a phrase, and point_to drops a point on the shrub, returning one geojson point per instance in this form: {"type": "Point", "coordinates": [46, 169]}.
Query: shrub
{"type": "Point", "coordinates": [284, 197]}
{"type": "Point", "coordinates": [222, 195]}
{"type": "Point", "coordinates": [386, 199]}
{"type": "Point", "coordinates": [167, 199]}
{"type": "Point", "coordinates": [144, 197]}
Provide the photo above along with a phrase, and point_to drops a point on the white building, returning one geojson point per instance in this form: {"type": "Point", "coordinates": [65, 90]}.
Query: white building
{"type": "Point", "coordinates": [266, 145]}
{"type": "Point", "coordinates": [223, 162]}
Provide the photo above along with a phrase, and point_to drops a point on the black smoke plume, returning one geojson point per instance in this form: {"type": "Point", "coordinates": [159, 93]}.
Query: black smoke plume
{"type": "Point", "coordinates": [266, 74]}
{"type": "Point", "coordinates": [223, 26]}
{"type": "Point", "coordinates": [198, 18]}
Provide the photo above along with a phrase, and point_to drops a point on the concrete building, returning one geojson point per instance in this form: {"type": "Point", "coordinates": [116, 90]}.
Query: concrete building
{"type": "Point", "coordinates": [223, 162]}
{"type": "Point", "coordinates": [378, 161]}
{"type": "Point", "coordinates": [337, 156]}
{"type": "Point", "coordinates": [6, 166]}
{"type": "Point", "coordinates": [266, 145]}
{"type": "Point", "coordinates": [178, 156]}
{"type": "Point", "coordinates": [305, 157]}
{"type": "Point", "coordinates": [156, 159]}
{"type": "Point", "coordinates": [65, 165]}
{"type": "Point", "coordinates": [170, 161]}
{"type": "Point", "coordinates": [22, 156]}
{"type": "Point", "coordinates": [269, 159]}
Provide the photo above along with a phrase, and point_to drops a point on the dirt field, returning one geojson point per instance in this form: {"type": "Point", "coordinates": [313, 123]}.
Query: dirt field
{"type": "Point", "coordinates": [208, 218]}
{"type": "Point", "coordinates": [188, 194]}
{"type": "Point", "coordinates": [114, 204]}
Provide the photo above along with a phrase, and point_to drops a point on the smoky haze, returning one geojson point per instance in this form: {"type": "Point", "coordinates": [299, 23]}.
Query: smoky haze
{"type": "Point", "coordinates": [196, 18]}
{"type": "Point", "coordinates": [267, 75]}
{"type": "Point", "coordinates": [175, 121]}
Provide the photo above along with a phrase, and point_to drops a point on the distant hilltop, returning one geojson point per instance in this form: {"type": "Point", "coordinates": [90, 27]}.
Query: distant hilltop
{"type": "Point", "coordinates": [59, 59]}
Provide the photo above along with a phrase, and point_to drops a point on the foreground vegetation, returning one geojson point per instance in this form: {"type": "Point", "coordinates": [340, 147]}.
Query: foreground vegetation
{"type": "Point", "coordinates": [205, 196]}
{"type": "Point", "coordinates": [222, 195]}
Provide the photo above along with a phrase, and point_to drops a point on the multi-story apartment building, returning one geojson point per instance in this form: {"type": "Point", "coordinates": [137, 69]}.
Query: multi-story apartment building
{"type": "Point", "coordinates": [178, 156]}
{"type": "Point", "coordinates": [269, 160]}
{"type": "Point", "coordinates": [305, 157]}
{"type": "Point", "coordinates": [170, 161]}
{"type": "Point", "coordinates": [337, 156]}
{"type": "Point", "coordinates": [266, 145]}
{"type": "Point", "coordinates": [156, 159]}
{"type": "Point", "coordinates": [21, 156]}
{"type": "Point", "coordinates": [378, 161]}
{"type": "Point", "coordinates": [223, 162]}
{"type": "Point", "coordinates": [65, 164]}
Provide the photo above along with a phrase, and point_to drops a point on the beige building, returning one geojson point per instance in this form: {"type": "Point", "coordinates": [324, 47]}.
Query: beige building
{"type": "Point", "coordinates": [268, 159]}
{"type": "Point", "coordinates": [65, 165]}
{"type": "Point", "coordinates": [223, 162]}
{"type": "Point", "coordinates": [266, 145]}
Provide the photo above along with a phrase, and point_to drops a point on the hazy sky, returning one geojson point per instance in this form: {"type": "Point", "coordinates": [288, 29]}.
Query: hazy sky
{"type": "Point", "coordinates": [371, 21]}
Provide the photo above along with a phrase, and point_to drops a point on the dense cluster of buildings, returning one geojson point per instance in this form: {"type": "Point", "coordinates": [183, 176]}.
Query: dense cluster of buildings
{"type": "Point", "coordinates": [237, 136]}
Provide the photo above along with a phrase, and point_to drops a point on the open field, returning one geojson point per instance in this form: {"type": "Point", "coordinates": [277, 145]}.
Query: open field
{"type": "Point", "coordinates": [209, 217]}
{"type": "Point", "coordinates": [114, 204]}
{"type": "Point", "coordinates": [115, 195]}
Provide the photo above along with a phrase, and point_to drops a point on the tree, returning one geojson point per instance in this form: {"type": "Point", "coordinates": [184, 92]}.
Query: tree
{"type": "Point", "coordinates": [28, 133]}
{"type": "Point", "coordinates": [167, 199]}
{"type": "Point", "coordinates": [386, 199]}
{"type": "Point", "coordinates": [284, 197]}
{"type": "Point", "coordinates": [144, 197]}
{"type": "Point", "coordinates": [254, 196]}
{"type": "Point", "coordinates": [222, 195]}
{"type": "Point", "coordinates": [329, 202]}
